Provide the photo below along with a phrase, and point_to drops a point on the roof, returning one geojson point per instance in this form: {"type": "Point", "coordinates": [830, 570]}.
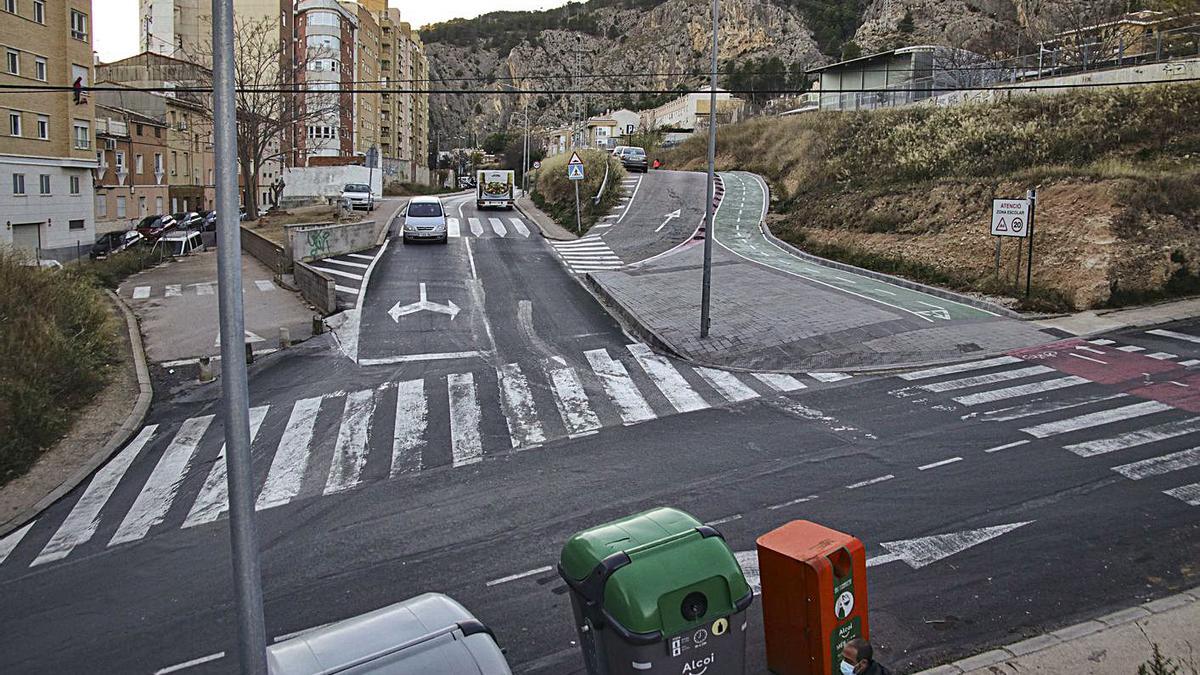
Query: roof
{"type": "Point", "coordinates": [890, 52]}
{"type": "Point", "coordinates": [425, 199]}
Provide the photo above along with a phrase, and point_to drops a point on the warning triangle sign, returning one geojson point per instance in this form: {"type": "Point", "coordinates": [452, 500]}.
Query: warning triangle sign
{"type": "Point", "coordinates": [1002, 226]}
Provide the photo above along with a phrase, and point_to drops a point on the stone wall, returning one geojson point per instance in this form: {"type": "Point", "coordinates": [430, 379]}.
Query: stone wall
{"type": "Point", "coordinates": [317, 288]}
{"type": "Point", "coordinates": [315, 184]}
{"type": "Point", "coordinates": [268, 252]}
{"type": "Point", "coordinates": [322, 241]}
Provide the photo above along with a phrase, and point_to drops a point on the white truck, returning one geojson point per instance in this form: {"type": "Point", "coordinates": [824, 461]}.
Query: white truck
{"type": "Point", "coordinates": [495, 187]}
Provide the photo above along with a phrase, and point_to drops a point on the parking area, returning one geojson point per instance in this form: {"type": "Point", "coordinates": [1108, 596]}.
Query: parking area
{"type": "Point", "coordinates": [176, 305]}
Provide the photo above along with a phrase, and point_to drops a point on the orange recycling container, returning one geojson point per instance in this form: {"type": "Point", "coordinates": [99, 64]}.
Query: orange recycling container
{"type": "Point", "coordinates": [814, 596]}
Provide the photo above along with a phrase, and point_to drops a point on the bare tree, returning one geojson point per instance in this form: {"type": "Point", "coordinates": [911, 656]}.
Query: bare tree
{"type": "Point", "coordinates": [274, 106]}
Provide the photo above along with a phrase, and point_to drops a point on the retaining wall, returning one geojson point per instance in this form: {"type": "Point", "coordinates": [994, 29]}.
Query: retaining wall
{"type": "Point", "coordinates": [318, 288]}
{"type": "Point", "coordinates": [268, 252]}
{"type": "Point", "coordinates": [322, 241]}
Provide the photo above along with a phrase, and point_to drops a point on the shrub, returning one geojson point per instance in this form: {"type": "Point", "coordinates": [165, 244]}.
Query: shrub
{"type": "Point", "coordinates": [554, 193]}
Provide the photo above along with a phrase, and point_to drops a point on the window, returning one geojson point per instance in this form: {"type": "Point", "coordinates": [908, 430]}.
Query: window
{"type": "Point", "coordinates": [120, 207]}
{"type": "Point", "coordinates": [174, 163]}
{"type": "Point", "coordinates": [14, 124]}
{"type": "Point", "coordinates": [13, 62]}
{"type": "Point", "coordinates": [39, 68]}
{"type": "Point", "coordinates": [140, 129]}
{"type": "Point", "coordinates": [19, 184]}
{"type": "Point", "coordinates": [79, 25]}
{"type": "Point", "coordinates": [323, 19]}
{"type": "Point", "coordinates": [324, 44]}
{"type": "Point", "coordinates": [158, 132]}
{"type": "Point", "coordinates": [83, 139]}
{"type": "Point", "coordinates": [158, 204]}
{"type": "Point", "coordinates": [158, 163]}
{"type": "Point", "coordinates": [101, 206]}
{"type": "Point", "coordinates": [74, 185]}
{"type": "Point", "coordinates": [10, 6]}
{"type": "Point", "coordinates": [120, 161]}
{"type": "Point", "coordinates": [137, 164]}
{"type": "Point", "coordinates": [77, 224]}
{"type": "Point", "coordinates": [39, 11]}
{"type": "Point", "coordinates": [43, 128]}
{"type": "Point", "coordinates": [44, 184]}
{"type": "Point", "coordinates": [142, 207]}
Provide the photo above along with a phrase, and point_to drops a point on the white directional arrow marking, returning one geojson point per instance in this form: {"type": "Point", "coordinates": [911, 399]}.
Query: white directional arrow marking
{"type": "Point", "coordinates": [450, 309]}
{"type": "Point", "coordinates": [917, 552]}
{"type": "Point", "coordinates": [669, 217]}
{"type": "Point", "coordinates": [250, 337]}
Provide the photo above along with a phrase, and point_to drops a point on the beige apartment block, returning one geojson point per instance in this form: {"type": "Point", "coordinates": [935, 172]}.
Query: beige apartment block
{"type": "Point", "coordinates": [404, 121]}
{"type": "Point", "coordinates": [46, 137]}
{"type": "Point", "coordinates": [367, 75]}
{"type": "Point", "coordinates": [131, 179]}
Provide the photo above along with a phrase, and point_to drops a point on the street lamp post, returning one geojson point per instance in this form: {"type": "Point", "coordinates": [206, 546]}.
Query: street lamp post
{"type": "Point", "coordinates": [706, 288]}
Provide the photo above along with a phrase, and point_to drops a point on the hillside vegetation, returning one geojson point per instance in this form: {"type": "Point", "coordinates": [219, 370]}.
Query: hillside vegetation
{"type": "Point", "coordinates": [554, 193]}
{"type": "Point", "coordinates": [909, 190]}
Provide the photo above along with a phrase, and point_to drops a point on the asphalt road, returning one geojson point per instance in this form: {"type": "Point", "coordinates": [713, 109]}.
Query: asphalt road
{"type": "Point", "coordinates": [379, 482]}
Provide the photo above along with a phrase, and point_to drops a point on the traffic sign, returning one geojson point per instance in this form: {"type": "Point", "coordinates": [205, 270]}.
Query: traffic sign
{"type": "Point", "coordinates": [537, 165]}
{"type": "Point", "coordinates": [575, 161]}
{"type": "Point", "coordinates": [575, 171]}
{"type": "Point", "coordinates": [1010, 217]}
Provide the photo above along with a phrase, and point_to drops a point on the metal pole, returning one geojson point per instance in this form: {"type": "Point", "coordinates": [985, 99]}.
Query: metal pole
{"type": "Point", "coordinates": [235, 398]}
{"type": "Point", "coordinates": [1032, 196]}
{"type": "Point", "coordinates": [706, 287]}
{"type": "Point", "coordinates": [997, 258]}
{"type": "Point", "coordinates": [525, 153]}
{"type": "Point", "coordinates": [578, 223]}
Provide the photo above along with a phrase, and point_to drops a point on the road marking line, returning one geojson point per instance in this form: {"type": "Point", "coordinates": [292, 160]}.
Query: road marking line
{"type": "Point", "coordinates": [524, 427]}
{"type": "Point", "coordinates": [570, 398]}
{"type": "Point", "coordinates": [726, 519]}
{"type": "Point", "coordinates": [411, 424]}
{"type": "Point", "coordinates": [476, 226]}
{"type": "Point", "coordinates": [793, 502]}
{"type": "Point", "coordinates": [519, 226]}
{"type": "Point", "coordinates": [471, 259]}
{"type": "Point", "coordinates": [338, 273]}
{"type": "Point", "coordinates": [361, 256]}
{"type": "Point", "coordinates": [726, 384]}
{"type": "Point", "coordinates": [1131, 348]}
{"type": "Point", "coordinates": [620, 387]}
{"type": "Point", "coordinates": [412, 358]}
{"type": "Point", "coordinates": [498, 227]}
{"type": "Point", "coordinates": [453, 229]}
{"type": "Point", "coordinates": [959, 368]}
{"type": "Point", "coordinates": [829, 377]}
{"type": "Point", "coordinates": [594, 257]}
{"type": "Point", "coordinates": [291, 457]}
{"type": "Point", "coordinates": [174, 290]}
{"type": "Point", "coordinates": [1163, 356]}
{"type": "Point", "coordinates": [1189, 363]}
{"type": "Point", "coordinates": [780, 382]}
{"type": "Point", "coordinates": [1096, 419]}
{"type": "Point", "coordinates": [1089, 349]}
{"type": "Point", "coordinates": [188, 664]}
{"type": "Point", "coordinates": [347, 263]}
{"type": "Point", "coordinates": [204, 289]}
{"type": "Point", "coordinates": [264, 285]}
{"type": "Point", "coordinates": [872, 481]}
{"type": "Point", "coordinates": [1006, 446]}
{"type": "Point", "coordinates": [977, 380]}
{"type": "Point", "coordinates": [10, 541]}
{"type": "Point", "coordinates": [350, 449]}
{"type": "Point", "coordinates": [154, 500]}
{"type": "Point", "coordinates": [632, 197]}
{"type": "Point", "coordinates": [935, 465]}
{"type": "Point", "coordinates": [668, 380]}
{"type": "Point", "coordinates": [1188, 494]}
{"type": "Point", "coordinates": [1172, 334]}
{"type": "Point", "coordinates": [1157, 466]}
{"type": "Point", "coordinates": [519, 575]}
{"type": "Point", "coordinates": [1132, 439]}
{"type": "Point", "coordinates": [1021, 390]}
{"type": "Point", "coordinates": [79, 525]}
{"type": "Point", "coordinates": [1033, 409]}
{"type": "Point", "coordinates": [213, 499]}
{"type": "Point", "coordinates": [466, 444]}
{"type": "Point", "coordinates": [141, 292]}
{"type": "Point", "coordinates": [881, 290]}
{"type": "Point", "coordinates": [1102, 342]}
{"type": "Point", "coordinates": [345, 289]}
{"type": "Point", "coordinates": [1088, 358]}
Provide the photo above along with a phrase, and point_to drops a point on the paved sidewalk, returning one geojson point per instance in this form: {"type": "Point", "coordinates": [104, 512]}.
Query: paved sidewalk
{"type": "Point", "coordinates": [1100, 321]}
{"type": "Point", "coordinates": [1114, 643]}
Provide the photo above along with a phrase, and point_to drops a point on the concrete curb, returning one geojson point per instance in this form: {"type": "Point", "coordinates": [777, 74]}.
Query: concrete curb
{"type": "Point", "coordinates": [387, 225]}
{"type": "Point", "coordinates": [128, 428]}
{"type": "Point", "coordinates": [546, 225]}
{"type": "Point", "coordinates": [1062, 635]}
{"type": "Point", "coordinates": [629, 320]}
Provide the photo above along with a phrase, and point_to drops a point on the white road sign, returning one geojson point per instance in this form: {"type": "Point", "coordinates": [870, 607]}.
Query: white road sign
{"type": "Point", "coordinates": [1010, 217]}
{"type": "Point", "coordinates": [575, 161]}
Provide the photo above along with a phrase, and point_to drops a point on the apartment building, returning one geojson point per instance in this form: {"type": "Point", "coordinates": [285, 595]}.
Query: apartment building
{"type": "Point", "coordinates": [326, 47]}
{"type": "Point", "coordinates": [183, 28]}
{"type": "Point", "coordinates": [46, 148]}
{"type": "Point", "coordinates": [404, 121]}
{"type": "Point", "coordinates": [367, 75]}
{"type": "Point", "coordinates": [131, 180]}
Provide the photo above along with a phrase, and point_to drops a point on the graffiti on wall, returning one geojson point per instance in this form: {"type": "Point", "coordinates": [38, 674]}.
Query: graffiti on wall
{"type": "Point", "coordinates": [318, 243]}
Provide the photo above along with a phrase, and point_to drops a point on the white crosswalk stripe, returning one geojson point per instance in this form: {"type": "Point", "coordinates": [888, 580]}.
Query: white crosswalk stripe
{"type": "Point", "coordinates": [1132, 439]}
{"type": "Point", "coordinates": [1157, 466]}
{"type": "Point", "coordinates": [1131, 348]}
{"type": "Point", "coordinates": [519, 226]}
{"type": "Point", "coordinates": [829, 377]}
{"type": "Point", "coordinates": [453, 229]}
{"type": "Point", "coordinates": [214, 496]}
{"type": "Point", "coordinates": [726, 384]}
{"type": "Point", "coordinates": [156, 496]}
{"type": "Point", "coordinates": [338, 273]}
{"type": "Point", "coordinates": [1095, 419]}
{"type": "Point", "coordinates": [990, 378]}
{"type": "Point", "coordinates": [587, 254]}
{"type": "Point", "coordinates": [1162, 356]}
{"type": "Point", "coordinates": [465, 415]}
{"type": "Point", "coordinates": [577, 414]}
{"type": "Point", "coordinates": [1021, 390]}
{"type": "Point", "coordinates": [1046, 407]}
{"type": "Point", "coordinates": [291, 457]}
{"type": "Point", "coordinates": [1174, 335]}
{"type": "Point", "coordinates": [350, 450]}
{"type": "Point", "coordinates": [412, 423]}
{"type": "Point", "coordinates": [141, 292]}
{"type": "Point", "coordinates": [779, 381]}
{"type": "Point", "coordinates": [498, 227]}
{"type": "Point", "coordinates": [524, 427]}
{"type": "Point", "coordinates": [1188, 494]}
{"type": "Point", "coordinates": [959, 368]}
{"type": "Point", "coordinates": [476, 226]}
{"type": "Point", "coordinates": [264, 285]}
{"type": "Point", "coordinates": [176, 290]}
{"type": "Point", "coordinates": [630, 403]}
{"type": "Point", "coordinates": [668, 380]}
{"type": "Point", "coordinates": [9, 543]}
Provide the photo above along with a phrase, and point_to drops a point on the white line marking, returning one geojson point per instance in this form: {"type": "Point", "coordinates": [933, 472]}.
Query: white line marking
{"type": "Point", "coordinates": [1163, 356]}
{"type": "Point", "coordinates": [667, 379]}
{"type": "Point", "coordinates": [524, 427]}
{"type": "Point", "coordinates": [1188, 494]}
{"type": "Point", "coordinates": [476, 226]}
{"type": "Point", "coordinates": [1021, 390]}
{"type": "Point", "coordinates": [174, 290]}
{"type": "Point", "coordinates": [1006, 446]}
{"type": "Point", "coordinates": [519, 226]}
{"type": "Point", "coordinates": [1131, 348]}
{"type": "Point", "coordinates": [780, 382]}
{"type": "Point", "coordinates": [726, 519]}
{"type": "Point", "coordinates": [350, 450]}
{"type": "Point", "coordinates": [141, 292]}
{"type": "Point", "coordinates": [214, 495]}
{"type": "Point", "coordinates": [1101, 342]}
{"type": "Point", "coordinates": [466, 445]}
{"type": "Point", "coordinates": [1157, 466]}
{"type": "Point", "coordinates": [1172, 334]}
{"type": "Point", "coordinates": [412, 358]}
{"type": "Point", "coordinates": [855, 486]}
{"type": "Point", "coordinates": [471, 259]}
{"type": "Point", "coordinates": [1089, 349]}
{"type": "Point", "coordinates": [726, 384]}
{"type": "Point", "coordinates": [338, 273]}
{"type": "Point", "coordinates": [829, 377]}
{"type": "Point", "coordinates": [10, 541]}
{"type": "Point", "coordinates": [345, 289]}
{"type": "Point", "coordinates": [347, 263]}
{"type": "Point", "coordinates": [1132, 439]}
{"type": "Point", "coordinates": [935, 465]}
{"type": "Point", "coordinates": [977, 380]}
{"type": "Point", "coordinates": [264, 285]}
{"type": "Point", "coordinates": [518, 575]}
{"type": "Point", "coordinates": [620, 387]}
{"type": "Point", "coordinates": [498, 227]}
{"type": "Point", "coordinates": [1096, 419]}
{"type": "Point", "coordinates": [1088, 358]}
{"type": "Point", "coordinates": [291, 457]}
{"type": "Point", "coordinates": [569, 396]}
{"type": "Point", "coordinates": [361, 256]}
{"type": "Point", "coordinates": [1189, 363]}
{"type": "Point", "coordinates": [959, 368]}
{"type": "Point", "coordinates": [793, 502]}
{"type": "Point", "coordinates": [188, 664]}
{"type": "Point", "coordinates": [408, 432]}
{"type": "Point", "coordinates": [204, 289]}
{"type": "Point", "coordinates": [453, 229]}
{"type": "Point", "coordinates": [880, 290]}
{"type": "Point", "coordinates": [155, 499]}
{"type": "Point", "coordinates": [1044, 407]}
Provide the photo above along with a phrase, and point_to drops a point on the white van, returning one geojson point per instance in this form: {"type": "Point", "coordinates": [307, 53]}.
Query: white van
{"type": "Point", "coordinates": [179, 243]}
{"type": "Point", "coordinates": [425, 218]}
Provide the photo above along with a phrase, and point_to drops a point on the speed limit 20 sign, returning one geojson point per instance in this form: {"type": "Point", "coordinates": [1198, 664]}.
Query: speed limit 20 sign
{"type": "Point", "coordinates": [1010, 217]}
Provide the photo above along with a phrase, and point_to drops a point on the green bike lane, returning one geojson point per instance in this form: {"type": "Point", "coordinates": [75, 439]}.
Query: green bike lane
{"type": "Point", "coordinates": [738, 223]}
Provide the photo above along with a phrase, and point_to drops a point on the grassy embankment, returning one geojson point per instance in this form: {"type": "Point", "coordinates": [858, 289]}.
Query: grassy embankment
{"type": "Point", "coordinates": [553, 192]}
{"type": "Point", "coordinates": [908, 191]}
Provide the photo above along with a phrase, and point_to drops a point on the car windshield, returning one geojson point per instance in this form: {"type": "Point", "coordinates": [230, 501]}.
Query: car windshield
{"type": "Point", "coordinates": [148, 221]}
{"type": "Point", "coordinates": [424, 210]}
{"type": "Point", "coordinates": [635, 152]}
{"type": "Point", "coordinates": [357, 187]}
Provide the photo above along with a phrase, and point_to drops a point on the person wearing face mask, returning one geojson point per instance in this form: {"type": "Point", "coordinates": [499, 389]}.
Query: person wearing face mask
{"type": "Point", "coordinates": [858, 659]}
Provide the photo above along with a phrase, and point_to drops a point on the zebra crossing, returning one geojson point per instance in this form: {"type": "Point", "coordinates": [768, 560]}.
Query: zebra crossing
{"type": "Point", "coordinates": [167, 291]}
{"type": "Point", "coordinates": [349, 272]}
{"type": "Point", "coordinates": [587, 254]}
{"type": "Point", "coordinates": [491, 227]}
{"type": "Point", "coordinates": [328, 444]}
{"type": "Point", "coordinates": [1144, 431]}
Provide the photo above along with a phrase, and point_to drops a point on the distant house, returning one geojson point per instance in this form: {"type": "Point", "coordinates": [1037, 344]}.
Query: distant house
{"type": "Point", "coordinates": [900, 76]}
{"type": "Point", "coordinates": [689, 112]}
{"type": "Point", "coordinates": [1138, 37]}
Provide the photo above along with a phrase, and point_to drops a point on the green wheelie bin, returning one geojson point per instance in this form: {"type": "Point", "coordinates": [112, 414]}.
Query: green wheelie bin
{"type": "Point", "coordinates": [657, 592]}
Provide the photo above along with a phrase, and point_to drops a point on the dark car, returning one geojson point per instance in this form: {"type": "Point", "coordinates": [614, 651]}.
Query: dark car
{"type": "Point", "coordinates": [634, 159]}
{"type": "Point", "coordinates": [188, 220]}
{"type": "Point", "coordinates": [113, 242]}
{"type": "Point", "coordinates": [153, 227]}
{"type": "Point", "coordinates": [208, 221]}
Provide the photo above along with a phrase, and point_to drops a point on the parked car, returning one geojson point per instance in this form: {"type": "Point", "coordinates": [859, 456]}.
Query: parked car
{"type": "Point", "coordinates": [180, 243]}
{"type": "Point", "coordinates": [359, 195]}
{"type": "Point", "coordinates": [208, 221]}
{"type": "Point", "coordinates": [618, 149]}
{"type": "Point", "coordinates": [188, 220]}
{"type": "Point", "coordinates": [153, 227]}
{"type": "Point", "coordinates": [634, 159]}
{"type": "Point", "coordinates": [115, 242]}
{"type": "Point", "coordinates": [424, 219]}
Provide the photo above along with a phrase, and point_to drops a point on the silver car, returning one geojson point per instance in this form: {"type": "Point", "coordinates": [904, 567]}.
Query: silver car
{"type": "Point", "coordinates": [424, 219]}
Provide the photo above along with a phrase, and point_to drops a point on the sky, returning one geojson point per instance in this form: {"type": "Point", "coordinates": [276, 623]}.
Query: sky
{"type": "Point", "coordinates": [116, 27]}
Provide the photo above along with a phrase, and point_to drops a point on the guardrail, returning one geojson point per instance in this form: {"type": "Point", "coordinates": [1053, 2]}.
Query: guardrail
{"type": "Point", "coordinates": [603, 184]}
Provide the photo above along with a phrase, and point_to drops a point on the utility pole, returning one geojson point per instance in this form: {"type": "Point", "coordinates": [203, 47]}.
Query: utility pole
{"type": "Point", "coordinates": [525, 152]}
{"type": "Point", "coordinates": [235, 395]}
{"type": "Point", "coordinates": [706, 288]}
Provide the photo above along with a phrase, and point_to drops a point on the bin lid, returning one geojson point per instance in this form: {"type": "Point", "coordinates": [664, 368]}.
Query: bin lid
{"type": "Point", "coordinates": [430, 633]}
{"type": "Point", "coordinates": [640, 568]}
